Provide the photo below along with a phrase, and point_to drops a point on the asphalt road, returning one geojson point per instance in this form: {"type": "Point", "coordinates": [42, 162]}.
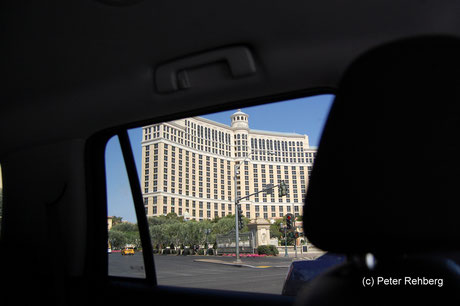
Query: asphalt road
{"type": "Point", "coordinates": [261, 275]}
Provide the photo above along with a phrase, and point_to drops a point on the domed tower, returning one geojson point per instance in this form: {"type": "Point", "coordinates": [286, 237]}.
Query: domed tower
{"type": "Point", "coordinates": [240, 120]}
{"type": "Point", "coordinates": [240, 126]}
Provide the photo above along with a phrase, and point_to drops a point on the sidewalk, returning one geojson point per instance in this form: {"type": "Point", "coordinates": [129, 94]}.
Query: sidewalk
{"type": "Point", "coordinates": [242, 264]}
{"type": "Point", "coordinates": [245, 262]}
{"type": "Point", "coordinates": [260, 262]}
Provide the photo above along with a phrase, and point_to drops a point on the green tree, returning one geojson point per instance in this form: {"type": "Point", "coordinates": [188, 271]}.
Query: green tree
{"type": "Point", "coordinates": [165, 230]}
{"type": "Point", "coordinates": [158, 235]}
{"type": "Point", "coordinates": [224, 225]}
{"type": "Point", "coordinates": [117, 239]}
{"type": "Point", "coordinates": [133, 238]}
{"type": "Point", "coordinates": [204, 226]}
{"type": "Point", "coordinates": [275, 229]}
{"type": "Point", "coordinates": [124, 233]}
{"type": "Point", "coordinates": [188, 233]}
{"type": "Point", "coordinates": [176, 232]}
{"type": "Point", "coordinates": [277, 232]}
{"type": "Point", "coordinates": [126, 227]}
{"type": "Point", "coordinates": [173, 217]}
{"type": "Point", "coordinates": [195, 232]}
{"type": "Point", "coordinates": [171, 229]}
{"type": "Point", "coordinates": [116, 220]}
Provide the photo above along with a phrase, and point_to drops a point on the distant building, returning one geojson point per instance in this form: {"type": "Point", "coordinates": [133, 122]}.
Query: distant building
{"type": "Point", "coordinates": [109, 223]}
{"type": "Point", "coordinates": [188, 168]}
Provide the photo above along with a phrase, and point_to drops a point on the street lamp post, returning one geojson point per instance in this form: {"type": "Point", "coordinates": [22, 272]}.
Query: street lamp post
{"type": "Point", "coordinates": [237, 234]}
{"type": "Point", "coordinates": [207, 231]}
{"type": "Point", "coordinates": [235, 181]}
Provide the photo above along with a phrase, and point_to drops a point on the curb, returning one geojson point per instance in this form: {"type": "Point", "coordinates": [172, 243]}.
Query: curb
{"type": "Point", "coordinates": [221, 262]}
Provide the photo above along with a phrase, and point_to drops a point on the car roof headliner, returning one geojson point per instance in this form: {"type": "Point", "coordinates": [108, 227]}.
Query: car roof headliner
{"type": "Point", "coordinates": [77, 67]}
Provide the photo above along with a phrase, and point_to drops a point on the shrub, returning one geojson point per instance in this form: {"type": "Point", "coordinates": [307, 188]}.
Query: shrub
{"type": "Point", "coordinates": [274, 250]}
{"type": "Point", "coordinates": [262, 249]}
{"type": "Point", "coordinates": [267, 250]}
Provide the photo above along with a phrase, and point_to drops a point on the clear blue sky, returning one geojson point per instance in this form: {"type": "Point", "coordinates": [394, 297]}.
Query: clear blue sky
{"type": "Point", "coordinates": [302, 116]}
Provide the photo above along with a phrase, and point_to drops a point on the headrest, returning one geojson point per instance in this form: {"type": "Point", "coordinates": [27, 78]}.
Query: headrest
{"type": "Point", "coordinates": [387, 173]}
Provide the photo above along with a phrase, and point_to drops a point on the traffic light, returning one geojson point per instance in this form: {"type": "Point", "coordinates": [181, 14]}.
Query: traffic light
{"type": "Point", "coordinates": [296, 235]}
{"type": "Point", "coordinates": [269, 189]}
{"type": "Point", "coordinates": [289, 221]}
{"type": "Point", "coordinates": [240, 217]}
{"type": "Point", "coordinates": [282, 191]}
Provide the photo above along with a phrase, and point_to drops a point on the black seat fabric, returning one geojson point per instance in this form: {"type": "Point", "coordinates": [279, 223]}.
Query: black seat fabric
{"type": "Point", "coordinates": [386, 178]}
{"type": "Point", "coordinates": [387, 173]}
{"type": "Point", "coordinates": [396, 281]}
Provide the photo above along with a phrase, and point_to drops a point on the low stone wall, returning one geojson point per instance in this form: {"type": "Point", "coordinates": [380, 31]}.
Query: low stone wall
{"type": "Point", "coordinates": [310, 252]}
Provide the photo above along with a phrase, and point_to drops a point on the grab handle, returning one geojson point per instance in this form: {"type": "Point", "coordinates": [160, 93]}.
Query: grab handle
{"type": "Point", "coordinates": [173, 76]}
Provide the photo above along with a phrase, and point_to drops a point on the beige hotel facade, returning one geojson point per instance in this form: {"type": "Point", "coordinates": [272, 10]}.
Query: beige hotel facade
{"type": "Point", "coordinates": [188, 168]}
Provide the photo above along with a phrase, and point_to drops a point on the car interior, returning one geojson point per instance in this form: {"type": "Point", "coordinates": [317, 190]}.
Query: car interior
{"type": "Point", "coordinates": [384, 183]}
{"type": "Point", "coordinates": [411, 227]}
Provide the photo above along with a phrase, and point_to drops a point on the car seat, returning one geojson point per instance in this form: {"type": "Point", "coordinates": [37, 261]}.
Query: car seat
{"type": "Point", "coordinates": [386, 180]}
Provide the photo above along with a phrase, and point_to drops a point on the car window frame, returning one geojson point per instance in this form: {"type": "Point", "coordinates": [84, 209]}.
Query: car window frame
{"type": "Point", "coordinates": [136, 193]}
{"type": "Point", "coordinates": [100, 139]}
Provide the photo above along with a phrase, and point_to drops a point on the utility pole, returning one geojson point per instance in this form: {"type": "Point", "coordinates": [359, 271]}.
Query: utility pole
{"type": "Point", "coordinates": [237, 234]}
{"type": "Point", "coordinates": [237, 200]}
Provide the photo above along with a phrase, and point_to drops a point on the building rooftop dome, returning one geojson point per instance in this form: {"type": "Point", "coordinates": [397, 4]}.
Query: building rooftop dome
{"type": "Point", "coordinates": [240, 120]}
{"type": "Point", "coordinates": [239, 112]}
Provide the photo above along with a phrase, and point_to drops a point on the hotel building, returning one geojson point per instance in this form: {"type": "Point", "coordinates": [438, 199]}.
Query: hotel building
{"type": "Point", "coordinates": [188, 168]}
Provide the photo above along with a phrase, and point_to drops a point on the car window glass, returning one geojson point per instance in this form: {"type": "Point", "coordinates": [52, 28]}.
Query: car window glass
{"type": "Point", "coordinates": [192, 170]}
{"type": "Point", "coordinates": [123, 246]}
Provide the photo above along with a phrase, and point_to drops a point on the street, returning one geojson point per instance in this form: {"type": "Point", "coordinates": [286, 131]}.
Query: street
{"type": "Point", "coordinates": [261, 275]}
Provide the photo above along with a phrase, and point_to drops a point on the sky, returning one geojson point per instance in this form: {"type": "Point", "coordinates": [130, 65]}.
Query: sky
{"type": "Point", "coordinates": [302, 116]}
